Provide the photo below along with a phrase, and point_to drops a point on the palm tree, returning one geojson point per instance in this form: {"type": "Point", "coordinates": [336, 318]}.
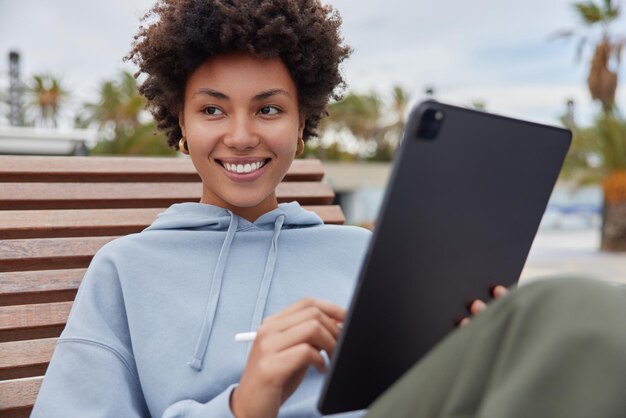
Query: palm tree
{"type": "Point", "coordinates": [46, 98]}
{"type": "Point", "coordinates": [598, 153]}
{"type": "Point", "coordinates": [602, 79]}
{"type": "Point", "coordinates": [119, 111]}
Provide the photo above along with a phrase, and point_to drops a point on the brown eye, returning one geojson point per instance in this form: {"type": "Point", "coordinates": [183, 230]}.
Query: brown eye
{"type": "Point", "coordinates": [269, 110]}
{"type": "Point", "coordinates": [212, 111]}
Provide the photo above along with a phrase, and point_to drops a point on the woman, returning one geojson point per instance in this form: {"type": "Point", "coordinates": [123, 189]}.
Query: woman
{"type": "Point", "coordinates": [238, 86]}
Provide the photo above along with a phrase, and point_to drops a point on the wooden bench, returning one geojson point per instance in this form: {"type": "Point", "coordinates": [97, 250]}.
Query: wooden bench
{"type": "Point", "coordinates": [56, 212]}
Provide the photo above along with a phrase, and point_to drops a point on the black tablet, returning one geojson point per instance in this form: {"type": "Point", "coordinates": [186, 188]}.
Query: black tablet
{"type": "Point", "coordinates": [465, 199]}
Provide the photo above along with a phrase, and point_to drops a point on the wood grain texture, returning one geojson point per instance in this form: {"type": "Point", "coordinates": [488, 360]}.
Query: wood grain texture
{"type": "Point", "coordinates": [40, 281]}
{"type": "Point", "coordinates": [18, 394]}
{"type": "Point", "coordinates": [39, 286]}
{"type": "Point", "coordinates": [49, 253]}
{"type": "Point", "coordinates": [34, 316]}
{"type": "Point", "coordinates": [19, 224]}
{"type": "Point", "coordinates": [25, 358]}
{"type": "Point", "coordinates": [123, 169]}
{"type": "Point", "coordinates": [24, 196]}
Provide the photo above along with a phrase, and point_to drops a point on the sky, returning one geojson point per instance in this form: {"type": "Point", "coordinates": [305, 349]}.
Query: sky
{"type": "Point", "coordinates": [498, 52]}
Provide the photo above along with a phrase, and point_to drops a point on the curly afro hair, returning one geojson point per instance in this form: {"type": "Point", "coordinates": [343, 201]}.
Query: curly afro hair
{"type": "Point", "coordinates": [183, 34]}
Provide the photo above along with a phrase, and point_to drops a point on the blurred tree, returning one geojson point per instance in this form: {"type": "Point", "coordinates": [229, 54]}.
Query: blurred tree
{"type": "Point", "coordinates": [376, 124]}
{"type": "Point", "coordinates": [45, 99]}
{"type": "Point", "coordinates": [598, 153]}
{"type": "Point", "coordinates": [602, 79]}
{"type": "Point", "coordinates": [597, 150]}
{"type": "Point", "coordinates": [359, 113]}
{"type": "Point", "coordinates": [598, 156]}
{"type": "Point", "coordinates": [118, 113]}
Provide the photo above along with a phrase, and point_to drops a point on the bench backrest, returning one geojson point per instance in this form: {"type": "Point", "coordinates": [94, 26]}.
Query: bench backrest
{"type": "Point", "coordinates": [56, 212]}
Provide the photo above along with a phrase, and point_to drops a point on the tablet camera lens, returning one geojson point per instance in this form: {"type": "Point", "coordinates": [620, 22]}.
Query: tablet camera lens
{"type": "Point", "coordinates": [430, 124]}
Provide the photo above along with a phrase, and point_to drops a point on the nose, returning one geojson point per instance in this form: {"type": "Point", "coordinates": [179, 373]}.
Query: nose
{"type": "Point", "coordinates": [241, 134]}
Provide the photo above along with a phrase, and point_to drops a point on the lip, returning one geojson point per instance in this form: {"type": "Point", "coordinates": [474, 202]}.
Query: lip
{"type": "Point", "coordinates": [243, 177]}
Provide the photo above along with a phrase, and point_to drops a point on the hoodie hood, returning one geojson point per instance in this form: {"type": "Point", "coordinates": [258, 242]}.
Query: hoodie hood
{"type": "Point", "coordinates": [203, 217]}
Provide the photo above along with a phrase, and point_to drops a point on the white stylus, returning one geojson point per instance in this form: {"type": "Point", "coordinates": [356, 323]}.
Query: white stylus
{"type": "Point", "coordinates": [245, 337]}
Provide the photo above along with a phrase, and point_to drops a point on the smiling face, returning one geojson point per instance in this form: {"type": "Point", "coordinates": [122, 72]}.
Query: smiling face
{"type": "Point", "coordinates": [242, 123]}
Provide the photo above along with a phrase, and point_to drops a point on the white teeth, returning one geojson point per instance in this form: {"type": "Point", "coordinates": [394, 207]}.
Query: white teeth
{"type": "Point", "coordinates": [243, 168]}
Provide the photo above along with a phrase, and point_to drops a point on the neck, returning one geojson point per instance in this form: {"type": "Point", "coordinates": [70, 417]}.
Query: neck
{"type": "Point", "coordinates": [250, 214]}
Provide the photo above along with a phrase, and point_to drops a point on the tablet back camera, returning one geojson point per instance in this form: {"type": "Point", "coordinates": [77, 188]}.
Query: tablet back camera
{"type": "Point", "coordinates": [430, 124]}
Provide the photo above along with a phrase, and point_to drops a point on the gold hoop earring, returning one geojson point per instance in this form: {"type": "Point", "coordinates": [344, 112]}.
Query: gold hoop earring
{"type": "Point", "coordinates": [300, 147]}
{"type": "Point", "coordinates": [182, 145]}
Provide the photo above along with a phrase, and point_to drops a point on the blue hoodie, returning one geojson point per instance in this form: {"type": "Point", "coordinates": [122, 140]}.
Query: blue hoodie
{"type": "Point", "coordinates": [151, 332]}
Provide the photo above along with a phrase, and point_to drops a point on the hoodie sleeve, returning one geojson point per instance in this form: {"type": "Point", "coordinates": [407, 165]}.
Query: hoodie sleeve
{"type": "Point", "coordinates": [86, 378]}
{"type": "Point", "coordinates": [92, 371]}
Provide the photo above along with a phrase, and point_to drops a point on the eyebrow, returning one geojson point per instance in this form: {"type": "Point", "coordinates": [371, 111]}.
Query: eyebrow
{"type": "Point", "coordinates": [269, 93]}
{"type": "Point", "coordinates": [259, 97]}
{"type": "Point", "coordinates": [210, 92]}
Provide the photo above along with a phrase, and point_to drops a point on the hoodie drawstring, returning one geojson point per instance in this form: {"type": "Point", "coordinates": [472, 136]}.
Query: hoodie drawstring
{"type": "Point", "coordinates": [214, 295]}
{"type": "Point", "coordinates": [268, 274]}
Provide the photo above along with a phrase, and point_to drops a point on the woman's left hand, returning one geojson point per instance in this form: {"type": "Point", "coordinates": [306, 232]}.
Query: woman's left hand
{"type": "Point", "coordinates": [478, 305]}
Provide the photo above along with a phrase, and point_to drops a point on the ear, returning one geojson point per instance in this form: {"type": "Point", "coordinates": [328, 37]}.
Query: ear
{"type": "Point", "coordinates": [301, 126]}
{"type": "Point", "coordinates": [181, 123]}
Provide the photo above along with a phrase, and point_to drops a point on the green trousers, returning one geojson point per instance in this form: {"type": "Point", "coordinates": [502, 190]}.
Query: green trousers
{"type": "Point", "coordinates": [550, 349]}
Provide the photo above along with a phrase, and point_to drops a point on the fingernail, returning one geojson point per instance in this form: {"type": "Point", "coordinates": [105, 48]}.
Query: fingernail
{"type": "Point", "coordinates": [500, 291]}
{"type": "Point", "coordinates": [478, 305]}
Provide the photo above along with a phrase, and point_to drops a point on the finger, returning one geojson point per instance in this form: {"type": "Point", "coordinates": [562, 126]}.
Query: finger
{"type": "Point", "coordinates": [335, 312]}
{"type": "Point", "coordinates": [477, 306]}
{"type": "Point", "coordinates": [311, 313]}
{"type": "Point", "coordinates": [499, 291]}
{"type": "Point", "coordinates": [463, 322]}
{"type": "Point", "coordinates": [310, 332]}
{"type": "Point", "coordinates": [296, 357]}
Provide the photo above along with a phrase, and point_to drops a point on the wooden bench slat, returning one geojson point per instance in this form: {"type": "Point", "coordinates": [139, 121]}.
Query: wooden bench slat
{"type": "Point", "coordinates": [21, 196]}
{"type": "Point", "coordinates": [29, 322]}
{"type": "Point", "coordinates": [49, 253]}
{"type": "Point", "coordinates": [34, 316]}
{"type": "Point", "coordinates": [19, 224]}
{"type": "Point", "coordinates": [25, 358]}
{"type": "Point", "coordinates": [19, 394]}
{"type": "Point", "coordinates": [123, 169]}
{"type": "Point", "coordinates": [39, 286]}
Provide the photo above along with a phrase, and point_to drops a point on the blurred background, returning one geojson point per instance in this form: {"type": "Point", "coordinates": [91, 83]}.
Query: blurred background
{"type": "Point", "coordinates": [64, 90]}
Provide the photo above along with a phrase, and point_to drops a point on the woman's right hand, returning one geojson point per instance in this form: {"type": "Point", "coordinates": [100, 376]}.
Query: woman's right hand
{"type": "Point", "coordinates": [286, 344]}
